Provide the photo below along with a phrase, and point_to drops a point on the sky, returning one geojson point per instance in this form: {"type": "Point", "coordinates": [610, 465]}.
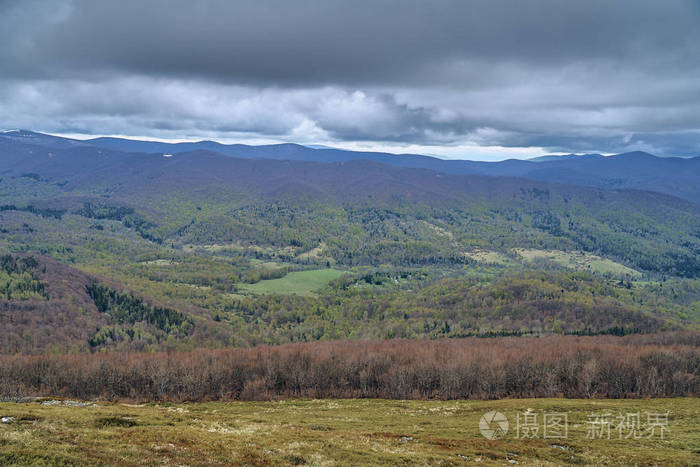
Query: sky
{"type": "Point", "coordinates": [485, 80]}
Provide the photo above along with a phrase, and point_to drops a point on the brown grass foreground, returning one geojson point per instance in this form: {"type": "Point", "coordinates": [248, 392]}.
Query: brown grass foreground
{"type": "Point", "coordinates": [556, 366]}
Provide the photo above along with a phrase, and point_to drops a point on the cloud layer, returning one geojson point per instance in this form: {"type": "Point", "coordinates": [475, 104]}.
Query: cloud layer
{"type": "Point", "coordinates": [445, 76]}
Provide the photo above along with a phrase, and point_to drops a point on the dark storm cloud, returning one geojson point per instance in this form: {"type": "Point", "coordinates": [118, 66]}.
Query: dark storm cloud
{"type": "Point", "coordinates": [596, 75]}
{"type": "Point", "coordinates": [376, 41]}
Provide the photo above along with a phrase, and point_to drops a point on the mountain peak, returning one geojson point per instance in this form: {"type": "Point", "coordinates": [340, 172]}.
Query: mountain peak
{"type": "Point", "coordinates": [636, 154]}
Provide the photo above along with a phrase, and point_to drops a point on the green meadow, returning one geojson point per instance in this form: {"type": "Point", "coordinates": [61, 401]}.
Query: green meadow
{"type": "Point", "coordinates": [295, 283]}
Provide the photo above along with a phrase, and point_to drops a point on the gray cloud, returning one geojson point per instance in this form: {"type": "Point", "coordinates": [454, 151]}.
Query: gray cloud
{"type": "Point", "coordinates": [564, 76]}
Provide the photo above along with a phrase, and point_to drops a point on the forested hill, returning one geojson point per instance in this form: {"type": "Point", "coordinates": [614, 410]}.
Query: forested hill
{"type": "Point", "coordinates": [200, 248]}
{"type": "Point", "coordinates": [47, 307]}
{"type": "Point", "coordinates": [675, 176]}
{"type": "Point", "coordinates": [307, 204]}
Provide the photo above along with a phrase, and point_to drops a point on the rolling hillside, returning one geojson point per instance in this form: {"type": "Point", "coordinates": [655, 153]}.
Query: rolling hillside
{"type": "Point", "coordinates": [141, 251]}
{"type": "Point", "coordinates": [204, 197]}
{"type": "Point", "coordinates": [71, 311]}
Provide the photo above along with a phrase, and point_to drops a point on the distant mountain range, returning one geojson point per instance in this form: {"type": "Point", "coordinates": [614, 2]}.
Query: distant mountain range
{"type": "Point", "coordinates": [637, 170]}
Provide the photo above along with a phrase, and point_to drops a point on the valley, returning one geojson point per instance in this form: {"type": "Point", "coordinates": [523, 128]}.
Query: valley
{"type": "Point", "coordinates": [267, 251]}
{"type": "Point", "coordinates": [332, 233]}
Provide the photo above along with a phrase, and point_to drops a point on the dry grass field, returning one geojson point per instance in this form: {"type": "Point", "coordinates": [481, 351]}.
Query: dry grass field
{"type": "Point", "coordinates": [345, 432]}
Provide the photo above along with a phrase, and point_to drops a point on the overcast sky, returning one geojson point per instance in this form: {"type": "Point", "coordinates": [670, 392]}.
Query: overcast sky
{"type": "Point", "coordinates": [470, 79]}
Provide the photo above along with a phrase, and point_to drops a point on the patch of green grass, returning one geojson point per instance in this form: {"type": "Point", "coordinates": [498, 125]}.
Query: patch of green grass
{"type": "Point", "coordinates": [104, 422]}
{"type": "Point", "coordinates": [337, 432]}
{"type": "Point", "coordinates": [298, 282]}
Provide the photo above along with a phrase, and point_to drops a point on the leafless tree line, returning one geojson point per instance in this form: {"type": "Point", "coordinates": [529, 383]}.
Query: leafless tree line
{"type": "Point", "coordinates": [660, 365]}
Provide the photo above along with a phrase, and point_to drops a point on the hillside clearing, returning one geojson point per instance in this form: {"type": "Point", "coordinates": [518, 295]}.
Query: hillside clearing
{"type": "Point", "coordinates": [297, 282]}
{"type": "Point", "coordinates": [578, 260]}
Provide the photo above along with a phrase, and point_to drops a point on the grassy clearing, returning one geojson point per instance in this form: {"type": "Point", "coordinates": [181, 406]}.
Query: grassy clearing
{"type": "Point", "coordinates": [334, 432]}
{"type": "Point", "coordinates": [298, 282]}
{"type": "Point", "coordinates": [580, 261]}
{"type": "Point", "coordinates": [314, 253]}
{"type": "Point", "coordinates": [159, 262]}
{"type": "Point", "coordinates": [489, 257]}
